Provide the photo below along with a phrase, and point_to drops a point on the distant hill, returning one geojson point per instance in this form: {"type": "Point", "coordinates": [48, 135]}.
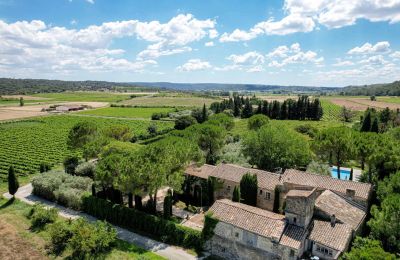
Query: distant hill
{"type": "Point", "coordinates": [389, 89]}
{"type": "Point", "coordinates": [10, 86]}
{"type": "Point", "coordinates": [236, 87]}
{"type": "Point", "coordinates": [29, 86]}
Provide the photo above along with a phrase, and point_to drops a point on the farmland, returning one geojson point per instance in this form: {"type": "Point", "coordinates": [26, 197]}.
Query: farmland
{"type": "Point", "coordinates": [168, 101]}
{"type": "Point", "coordinates": [85, 96]}
{"type": "Point", "coordinates": [127, 112]}
{"type": "Point", "coordinates": [26, 144]}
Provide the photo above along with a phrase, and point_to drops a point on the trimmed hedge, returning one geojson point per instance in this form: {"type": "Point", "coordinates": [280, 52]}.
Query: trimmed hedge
{"type": "Point", "coordinates": [137, 221]}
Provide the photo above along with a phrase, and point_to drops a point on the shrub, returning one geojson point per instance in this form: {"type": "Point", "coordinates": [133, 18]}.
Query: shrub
{"type": "Point", "coordinates": [44, 167]}
{"type": "Point", "coordinates": [138, 221]}
{"type": "Point", "coordinates": [257, 121]}
{"type": "Point", "coordinates": [89, 239]}
{"type": "Point", "coordinates": [40, 216]}
{"type": "Point", "coordinates": [70, 164]}
{"type": "Point", "coordinates": [184, 122]}
{"type": "Point", "coordinates": [60, 234]}
{"type": "Point", "coordinates": [61, 187]}
{"type": "Point", "coordinates": [85, 169]}
{"type": "Point", "coordinates": [307, 129]}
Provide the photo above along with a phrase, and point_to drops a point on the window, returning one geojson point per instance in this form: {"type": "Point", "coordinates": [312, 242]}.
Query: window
{"type": "Point", "coordinates": [260, 192]}
{"type": "Point", "coordinates": [267, 196]}
{"type": "Point", "coordinates": [291, 252]}
{"type": "Point", "coordinates": [294, 220]}
{"type": "Point", "coordinates": [236, 234]}
{"type": "Point", "coordinates": [228, 188]}
{"type": "Point", "coordinates": [324, 250]}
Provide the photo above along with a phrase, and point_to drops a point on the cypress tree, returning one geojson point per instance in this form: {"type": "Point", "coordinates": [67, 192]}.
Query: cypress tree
{"type": "Point", "coordinates": [236, 106]}
{"type": "Point", "coordinates": [13, 184]}
{"type": "Point", "coordinates": [204, 114]}
{"type": "Point", "coordinates": [168, 205]}
{"type": "Point", "coordinates": [351, 174]}
{"type": "Point", "coordinates": [138, 202]}
{"type": "Point", "coordinates": [265, 107]}
{"type": "Point", "coordinates": [248, 109]}
{"type": "Point", "coordinates": [375, 126]}
{"type": "Point", "coordinates": [130, 200]}
{"type": "Point", "coordinates": [236, 194]}
{"type": "Point", "coordinates": [284, 111]}
{"type": "Point", "coordinates": [248, 189]}
{"type": "Point", "coordinates": [276, 199]}
{"type": "Point", "coordinates": [259, 108]}
{"type": "Point", "coordinates": [210, 190]}
{"type": "Point", "coordinates": [366, 125]}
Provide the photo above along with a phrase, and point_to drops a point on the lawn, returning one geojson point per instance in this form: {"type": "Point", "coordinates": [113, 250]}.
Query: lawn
{"type": "Point", "coordinates": [26, 144]}
{"type": "Point", "coordinates": [128, 112]}
{"type": "Point", "coordinates": [85, 96]}
{"type": "Point", "coordinates": [16, 238]}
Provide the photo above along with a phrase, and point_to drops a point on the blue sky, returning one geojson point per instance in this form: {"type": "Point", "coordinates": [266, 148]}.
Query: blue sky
{"type": "Point", "coordinates": [288, 42]}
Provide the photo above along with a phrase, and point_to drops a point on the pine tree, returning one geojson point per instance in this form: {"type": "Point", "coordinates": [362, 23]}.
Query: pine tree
{"type": "Point", "coordinates": [366, 125]}
{"type": "Point", "coordinates": [248, 189]}
{"type": "Point", "coordinates": [13, 184]}
{"type": "Point", "coordinates": [375, 126]}
{"type": "Point", "coordinates": [236, 194]}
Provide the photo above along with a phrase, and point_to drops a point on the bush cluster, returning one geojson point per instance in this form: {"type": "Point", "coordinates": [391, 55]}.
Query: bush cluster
{"type": "Point", "coordinates": [40, 216]}
{"type": "Point", "coordinates": [84, 239]}
{"type": "Point", "coordinates": [85, 169]}
{"type": "Point", "coordinates": [137, 221]}
{"type": "Point", "coordinates": [159, 115]}
{"type": "Point", "coordinates": [63, 188]}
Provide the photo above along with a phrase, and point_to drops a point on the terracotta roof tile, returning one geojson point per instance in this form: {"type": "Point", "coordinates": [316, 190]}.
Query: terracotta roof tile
{"type": "Point", "coordinates": [331, 203]}
{"type": "Point", "coordinates": [362, 190]}
{"type": "Point", "coordinates": [258, 221]}
{"type": "Point", "coordinates": [293, 236]}
{"type": "Point", "coordinates": [334, 237]}
{"type": "Point", "coordinates": [201, 172]}
{"type": "Point", "coordinates": [299, 193]}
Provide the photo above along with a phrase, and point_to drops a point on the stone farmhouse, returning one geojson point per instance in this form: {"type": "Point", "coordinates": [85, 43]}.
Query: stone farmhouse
{"type": "Point", "coordinates": [319, 215]}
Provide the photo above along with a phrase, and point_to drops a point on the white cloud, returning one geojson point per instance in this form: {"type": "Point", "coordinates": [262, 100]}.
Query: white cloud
{"type": "Point", "coordinates": [257, 68]}
{"type": "Point", "coordinates": [376, 60]}
{"type": "Point", "coordinates": [343, 63]}
{"type": "Point", "coordinates": [283, 55]}
{"type": "Point", "coordinates": [90, 1]}
{"type": "Point", "coordinates": [304, 15]}
{"type": "Point", "coordinates": [209, 44]}
{"type": "Point", "coordinates": [73, 22]}
{"type": "Point", "coordinates": [395, 55]}
{"type": "Point", "coordinates": [367, 48]}
{"type": "Point", "coordinates": [35, 46]}
{"type": "Point", "coordinates": [213, 34]}
{"type": "Point", "coordinates": [248, 58]}
{"type": "Point", "coordinates": [194, 65]}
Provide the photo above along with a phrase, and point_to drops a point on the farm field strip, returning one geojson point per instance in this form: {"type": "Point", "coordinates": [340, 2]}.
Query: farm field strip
{"type": "Point", "coordinates": [127, 112]}
{"type": "Point", "coordinates": [25, 144]}
{"type": "Point", "coordinates": [155, 101]}
{"type": "Point", "coordinates": [85, 96]}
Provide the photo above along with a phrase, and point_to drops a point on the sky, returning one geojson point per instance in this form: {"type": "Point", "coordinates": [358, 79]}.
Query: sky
{"type": "Point", "coordinates": [330, 43]}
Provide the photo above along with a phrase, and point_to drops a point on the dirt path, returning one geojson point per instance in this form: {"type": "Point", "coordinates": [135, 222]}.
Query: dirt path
{"type": "Point", "coordinates": [170, 252]}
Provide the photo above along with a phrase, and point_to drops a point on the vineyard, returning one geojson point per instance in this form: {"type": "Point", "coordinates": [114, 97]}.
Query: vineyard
{"type": "Point", "coordinates": [26, 144]}
{"type": "Point", "coordinates": [127, 112]}
{"type": "Point", "coordinates": [331, 111]}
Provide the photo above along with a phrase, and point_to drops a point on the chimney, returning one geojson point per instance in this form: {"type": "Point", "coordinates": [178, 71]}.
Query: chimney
{"type": "Point", "coordinates": [333, 220]}
{"type": "Point", "coordinates": [350, 193]}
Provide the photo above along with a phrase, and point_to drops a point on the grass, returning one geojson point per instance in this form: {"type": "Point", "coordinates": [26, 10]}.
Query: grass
{"type": "Point", "coordinates": [15, 226]}
{"type": "Point", "coordinates": [153, 101]}
{"type": "Point", "coordinates": [127, 112]}
{"type": "Point", "coordinates": [395, 100]}
{"type": "Point", "coordinates": [85, 96]}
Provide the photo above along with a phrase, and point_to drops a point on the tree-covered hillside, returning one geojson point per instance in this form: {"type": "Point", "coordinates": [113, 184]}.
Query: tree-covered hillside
{"type": "Point", "coordinates": [390, 89]}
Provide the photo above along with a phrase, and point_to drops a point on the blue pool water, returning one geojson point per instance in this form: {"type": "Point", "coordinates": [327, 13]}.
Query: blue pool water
{"type": "Point", "coordinates": [344, 174]}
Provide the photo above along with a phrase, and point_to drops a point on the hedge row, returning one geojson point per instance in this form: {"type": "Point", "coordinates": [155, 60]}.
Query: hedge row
{"type": "Point", "coordinates": [137, 221]}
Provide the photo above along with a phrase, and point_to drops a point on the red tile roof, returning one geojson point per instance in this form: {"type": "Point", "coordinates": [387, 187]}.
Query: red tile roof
{"type": "Point", "coordinates": [333, 237]}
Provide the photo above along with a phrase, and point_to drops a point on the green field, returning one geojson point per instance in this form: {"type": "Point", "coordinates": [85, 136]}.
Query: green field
{"type": "Point", "coordinates": [127, 112]}
{"type": "Point", "coordinates": [331, 111]}
{"type": "Point", "coordinates": [154, 101]}
{"type": "Point", "coordinates": [85, 96]}
{"type": "Point", "coordinates": [25, 144]}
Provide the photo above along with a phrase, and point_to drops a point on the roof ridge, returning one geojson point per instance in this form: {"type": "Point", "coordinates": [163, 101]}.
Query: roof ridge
{"type": "Point", "coordinates": [246, 168]}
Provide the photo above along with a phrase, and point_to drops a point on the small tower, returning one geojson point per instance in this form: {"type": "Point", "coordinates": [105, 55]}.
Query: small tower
{"type": "Point", "coordinates": [299, 208]}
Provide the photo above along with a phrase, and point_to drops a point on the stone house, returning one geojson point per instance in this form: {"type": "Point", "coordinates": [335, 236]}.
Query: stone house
{"type": "Point", "coordinates": [321, 214]}
{"type": "Point", "coordinates": [231, 175]}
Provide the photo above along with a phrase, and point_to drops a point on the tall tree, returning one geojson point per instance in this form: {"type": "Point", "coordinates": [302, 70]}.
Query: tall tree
{"type": "Point", "coordinates": [210, 140]}
{"type": "Point", "coordinates": [204, 114]}
{"type": "Point", "coordinates": [247, 109]}
{"type": "Point", "coordinates": [366, 124]}
{"type": "Point", "coordinates": [81, 134]}
{"type": "Point", "coordinates": [368, 249]}
{"type": "Point", "coordinates": [274, 147]}
{"type": "Point", "coordinates": [375, 126]}
{"type": "Point", "coordinates": [248, 189]}
{"type": "Point", "coordinates": [257, 121]}
{"type": "Point", "coordinates": [13, 184]}
{"type": "Point", "coordinates": [337, 142]}
{"type": "Point", "coordinates": [236, 194]}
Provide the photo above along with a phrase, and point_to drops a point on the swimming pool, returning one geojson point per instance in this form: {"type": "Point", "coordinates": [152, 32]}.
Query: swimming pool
{"type": "Point", "coordinates": [344, 173]}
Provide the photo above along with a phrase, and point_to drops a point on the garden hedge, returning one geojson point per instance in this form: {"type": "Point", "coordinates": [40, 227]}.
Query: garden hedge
{"type": "Point", "coordinates": [137, 221]}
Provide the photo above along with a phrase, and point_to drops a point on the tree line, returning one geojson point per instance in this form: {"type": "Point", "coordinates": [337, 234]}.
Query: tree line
{"type": "Point", "coordinates": [302, 109]}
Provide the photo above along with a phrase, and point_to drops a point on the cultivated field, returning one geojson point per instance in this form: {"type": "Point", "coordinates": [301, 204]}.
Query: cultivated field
{"type": "Point", "coordinates": [362, 103]}
{"type": "Point", "coordinates": [154, 101]}
{"type": "Point", "coordinates": [127, 112]}
{"type": "Point", "coordinates": [85, 96]}
{"type": "Point", "coordinates": [25, 144]}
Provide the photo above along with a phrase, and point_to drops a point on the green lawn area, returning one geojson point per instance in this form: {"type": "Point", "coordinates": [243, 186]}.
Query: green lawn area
{"type": "Point", "coordinates": [127, 112]}
{"type": "Point", "coordinates": [395, 100]}
{"type": "Point", "coordinates": [85, 96]}
{"type": "Point", "coordinates": [15, 228]}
